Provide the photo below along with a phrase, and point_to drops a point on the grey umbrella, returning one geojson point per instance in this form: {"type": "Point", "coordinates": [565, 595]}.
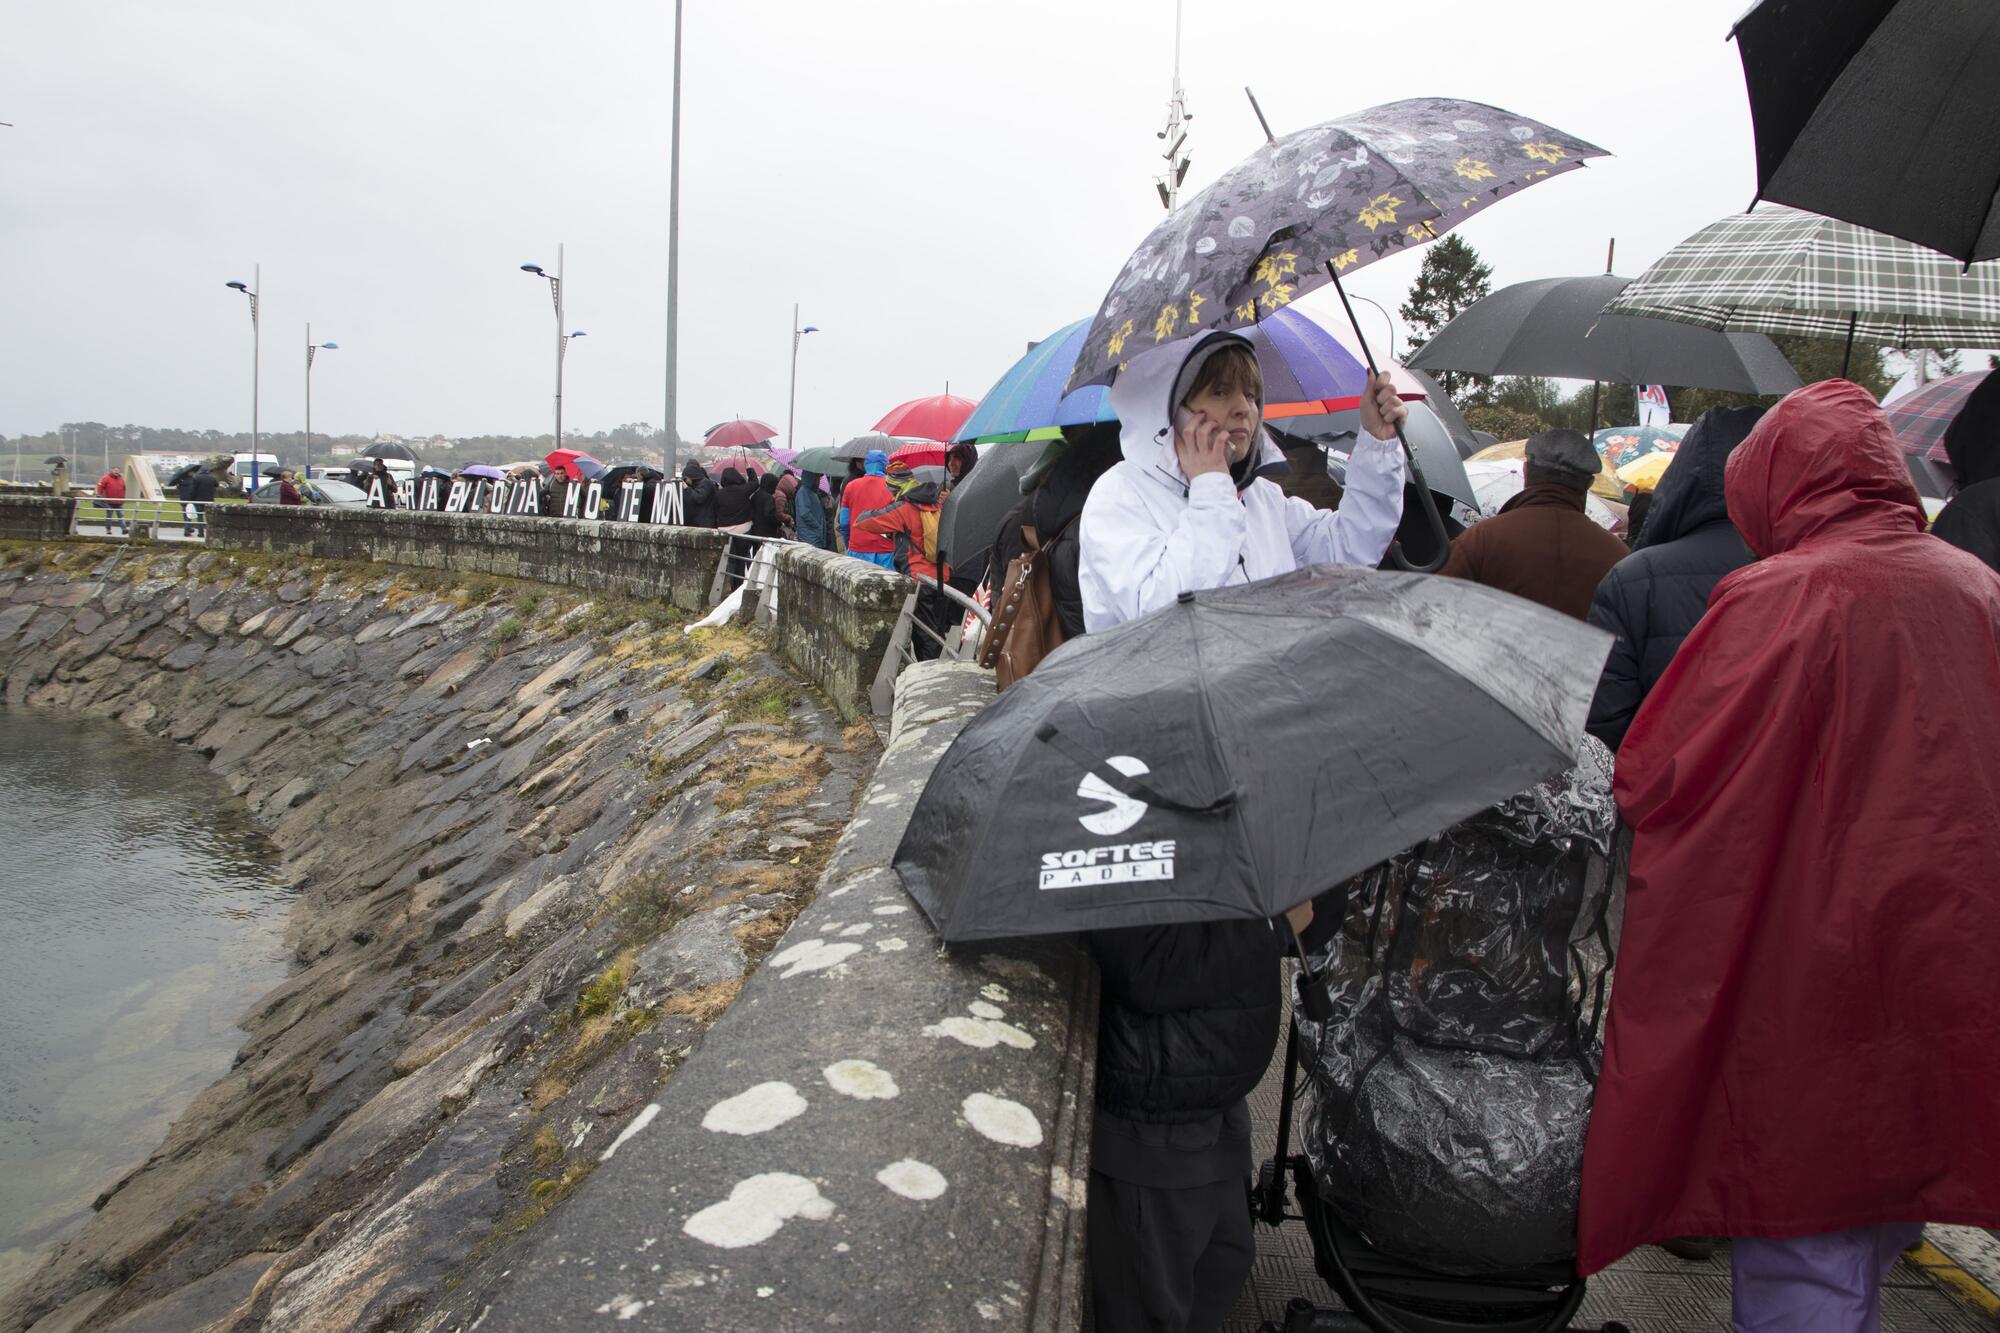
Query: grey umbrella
{"type": "Point", "coordinates": [861, 445]}
{"type": "Point", "coordinates": [1556, 326]}
{"type": "Point", "coordinates": [1242, 750]}
{"type": "Point", "coordinates": [390, 449]}
{"type": "Point", "coordinates": [972, 511]}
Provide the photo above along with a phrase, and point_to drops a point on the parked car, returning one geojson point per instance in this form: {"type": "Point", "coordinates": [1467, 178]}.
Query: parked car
{"type": "Point", "coordinates": [318, 491]}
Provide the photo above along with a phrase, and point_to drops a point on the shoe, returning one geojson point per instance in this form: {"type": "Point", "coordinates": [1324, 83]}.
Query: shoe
{"type": "Point", "coordinates": [1694, 1249]}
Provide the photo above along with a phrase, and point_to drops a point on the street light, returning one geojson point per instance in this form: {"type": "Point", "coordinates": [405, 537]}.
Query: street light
{"type": "Point", "coordinates": [256, 359]}
{"type": "Point", "coordinates": [792, 405]}
{"type": "Point", "coordinates": [311, 347]}
{"type": "Point", "coordinates": [562, 339]}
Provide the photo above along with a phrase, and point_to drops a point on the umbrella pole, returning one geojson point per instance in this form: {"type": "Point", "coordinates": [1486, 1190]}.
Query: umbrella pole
{"type": "Point", "coordinates": [1425, 500]}
{"type": "Point", "coordinates": [1594, 386]}
{"type": "Point", "coordinates": [1848, 352]}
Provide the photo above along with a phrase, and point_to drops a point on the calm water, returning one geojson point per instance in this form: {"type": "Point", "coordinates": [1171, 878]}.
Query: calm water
{"type": "Point", "coordinates": [140, 915]}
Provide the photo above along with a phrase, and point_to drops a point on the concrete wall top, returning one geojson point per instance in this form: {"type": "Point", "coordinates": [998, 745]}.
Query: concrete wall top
{"type": "Point", "coordinates": [878, 1133]}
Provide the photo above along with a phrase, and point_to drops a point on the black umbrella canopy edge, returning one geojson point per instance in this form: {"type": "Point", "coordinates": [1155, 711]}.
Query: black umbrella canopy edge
{"type": "Point", "coordinates": [935, 851]}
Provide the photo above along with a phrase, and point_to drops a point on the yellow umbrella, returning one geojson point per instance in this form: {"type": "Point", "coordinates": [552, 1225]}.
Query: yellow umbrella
{"type": "Point", "coordinates": [1606, 485]}
{"type": "Point", "coordinates": [1644, 473]}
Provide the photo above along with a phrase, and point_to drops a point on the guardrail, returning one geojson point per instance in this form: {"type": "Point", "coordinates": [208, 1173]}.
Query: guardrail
{"type": "Point", "coordinates": [152, 520]}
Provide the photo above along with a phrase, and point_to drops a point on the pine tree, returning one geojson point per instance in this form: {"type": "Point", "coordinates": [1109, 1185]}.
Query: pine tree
{"type": "Point", "coordinates": [1452, 278]}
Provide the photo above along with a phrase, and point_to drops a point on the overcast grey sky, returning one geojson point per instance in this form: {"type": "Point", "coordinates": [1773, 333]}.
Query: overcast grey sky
{"type": "Point", "coordinates": [935, 182]}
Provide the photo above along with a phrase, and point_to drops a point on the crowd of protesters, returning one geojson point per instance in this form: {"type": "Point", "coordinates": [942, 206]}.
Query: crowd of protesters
{"type": "Point", "coordinates": [1799, 695]}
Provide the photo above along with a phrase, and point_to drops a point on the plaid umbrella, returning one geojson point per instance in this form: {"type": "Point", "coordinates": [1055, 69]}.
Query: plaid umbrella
{"type": "Point", "coordinates": [1777, 270]}
{"type": "Point", "coordinates": [1919, 417]}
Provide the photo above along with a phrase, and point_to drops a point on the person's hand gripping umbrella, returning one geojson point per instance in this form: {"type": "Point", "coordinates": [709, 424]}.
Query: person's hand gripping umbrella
{"type": "Point", "coordinates": [1307, 208]}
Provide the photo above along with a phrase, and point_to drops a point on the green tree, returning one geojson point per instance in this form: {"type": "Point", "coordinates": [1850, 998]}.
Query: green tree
{"type": "Point", "coordinates": [1452, 278]}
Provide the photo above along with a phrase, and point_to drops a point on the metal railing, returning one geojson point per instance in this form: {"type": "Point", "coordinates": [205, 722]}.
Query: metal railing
{"type": "Point", "coordinates": [146, 520]}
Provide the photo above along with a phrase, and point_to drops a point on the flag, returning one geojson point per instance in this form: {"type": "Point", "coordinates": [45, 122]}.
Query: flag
{"type": "Point", "coordinates": [1653, 408]}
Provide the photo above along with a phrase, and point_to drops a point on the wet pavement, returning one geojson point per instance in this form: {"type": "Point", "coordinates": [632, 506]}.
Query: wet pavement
{"type": "Point", "coordinates": [1649, 1291]}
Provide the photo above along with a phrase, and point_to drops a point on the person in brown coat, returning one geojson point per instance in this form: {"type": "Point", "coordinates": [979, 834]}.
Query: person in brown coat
{"type": "Point", "coordinates": [1541, 545]}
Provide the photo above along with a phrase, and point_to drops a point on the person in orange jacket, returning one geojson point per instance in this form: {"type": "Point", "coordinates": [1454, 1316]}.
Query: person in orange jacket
{"type": "Point", "coordinates": [911, 525]}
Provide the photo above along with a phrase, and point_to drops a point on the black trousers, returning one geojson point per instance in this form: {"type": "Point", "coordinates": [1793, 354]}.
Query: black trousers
{"type": "Point", "coordinates": [1167, 1260]}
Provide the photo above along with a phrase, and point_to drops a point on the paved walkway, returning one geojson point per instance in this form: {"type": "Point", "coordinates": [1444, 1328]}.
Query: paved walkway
{"type": "Point", "coordinates": [1650, 1291]}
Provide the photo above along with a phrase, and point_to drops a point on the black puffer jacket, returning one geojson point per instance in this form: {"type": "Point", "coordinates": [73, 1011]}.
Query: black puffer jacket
{"type": "Point", "coordinates": [698, 500]}
{"type": "Point", "coordinates": [732, 499]}
{"type": "Point", "coordinates": [1187, 1019]}
{"type": "Point", "coordinates": [1052, 508]}
{"type": "Point", "coordinates": [1652, 598]}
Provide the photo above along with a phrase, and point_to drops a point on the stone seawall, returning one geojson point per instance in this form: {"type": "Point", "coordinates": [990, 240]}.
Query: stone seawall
{"type": "Point", "coordinates": [538, 842]}
{"type": "Point", "coordinates": [836, 634]}
{"type": "Point", "coordinates": [33, 518]}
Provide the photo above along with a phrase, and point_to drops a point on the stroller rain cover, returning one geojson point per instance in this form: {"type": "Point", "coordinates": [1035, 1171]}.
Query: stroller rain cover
{"type": "Point", "coordinates": [1452, 1084]}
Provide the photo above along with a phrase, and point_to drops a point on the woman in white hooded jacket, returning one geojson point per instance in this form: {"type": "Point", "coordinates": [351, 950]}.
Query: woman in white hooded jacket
{"type": "Point", "coordinates": [1189, 1014]}
{"type": "Point", "coordinates": [1185, 510]}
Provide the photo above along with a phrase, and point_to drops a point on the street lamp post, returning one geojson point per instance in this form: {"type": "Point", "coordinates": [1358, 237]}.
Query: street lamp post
{"type": "Point", "coordinates": [792, 405]}
{"type": "Point", "coordinates": [562, 338]}
{"type": "Point", "coordinates": [256, 361]}
{"type": "Point", "coordinates": [672, 407]}
{"type": "Point", "coordinates": [311, 347]}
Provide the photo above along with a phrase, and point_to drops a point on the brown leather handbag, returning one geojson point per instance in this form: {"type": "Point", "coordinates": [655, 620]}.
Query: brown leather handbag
{"type": "Point", "coordinates": [1025, 626]}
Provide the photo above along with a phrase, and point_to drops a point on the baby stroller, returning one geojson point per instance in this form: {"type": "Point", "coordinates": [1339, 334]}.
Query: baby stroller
{"type": "Point", "coordinates": [1449, 1029]}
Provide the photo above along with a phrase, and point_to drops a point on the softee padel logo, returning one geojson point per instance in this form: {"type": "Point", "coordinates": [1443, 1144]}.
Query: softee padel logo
{"type": "Point", "coordinates": [1119, 863]}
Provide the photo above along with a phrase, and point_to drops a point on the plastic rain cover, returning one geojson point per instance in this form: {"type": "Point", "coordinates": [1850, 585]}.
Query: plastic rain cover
{"type": "Point", "coordinates": [1452, 1085]}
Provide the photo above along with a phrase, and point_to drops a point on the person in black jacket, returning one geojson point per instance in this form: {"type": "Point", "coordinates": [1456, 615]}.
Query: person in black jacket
{"type": "Point", "coordinates": [1652, 599]}
{"type": "Point", "coordinates": [766, 520]}
{"type": "Point", "coordinates": [1051, 508]}
{"type": "Point", "coordinates": [697, 496]}
{"type": "Point", "coordinates": [732, 500]}
{"type": "Point", "coordinates": [202, 488]}
{"type": "Point", "coordinates": [1971, 522]}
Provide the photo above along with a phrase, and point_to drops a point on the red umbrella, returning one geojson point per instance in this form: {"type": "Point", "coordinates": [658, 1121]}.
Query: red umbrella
{"type": "Point", "coordinates": [574, 464]}
{"type": "Point", "coordinates": [927, 418]}
{"type": "Point", "coordinates": [740, 434]}
{"type": "Point", "coordinates": [922, 454]}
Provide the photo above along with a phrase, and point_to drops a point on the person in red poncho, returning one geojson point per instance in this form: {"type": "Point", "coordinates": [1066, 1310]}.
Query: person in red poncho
{"type": "Point", "coordinates": [1804, 1045]}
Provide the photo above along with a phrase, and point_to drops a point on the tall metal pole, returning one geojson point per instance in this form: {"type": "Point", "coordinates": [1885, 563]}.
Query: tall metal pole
{"type": "Point", "coordinates": [674, 264]}
{"type": "Point", "coordinates": [1175, 133]}
{"type": "Point", "coordinates": [562, 341]}
{"type": "Point", "coordinates": [309, 400]}
{"type": "Point", "coordinates": [256, 366]}
{"type": "Point", "coordinates": [792, 402]}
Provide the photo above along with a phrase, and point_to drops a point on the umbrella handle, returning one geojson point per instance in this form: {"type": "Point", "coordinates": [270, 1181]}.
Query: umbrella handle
{"type": "Point", "coordinates": [1425, 500]}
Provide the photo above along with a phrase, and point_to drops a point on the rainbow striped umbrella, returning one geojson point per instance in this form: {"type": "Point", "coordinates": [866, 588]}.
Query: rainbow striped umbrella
{"type": "Point", "coordinates": [1307, 372]}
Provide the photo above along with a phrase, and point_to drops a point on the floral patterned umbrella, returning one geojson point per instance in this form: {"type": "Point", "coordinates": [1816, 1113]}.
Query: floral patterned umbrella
{"type": "Point", "coordinates": [1333, 197]}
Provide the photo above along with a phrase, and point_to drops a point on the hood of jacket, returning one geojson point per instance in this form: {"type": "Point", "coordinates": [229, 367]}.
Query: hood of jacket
{"type": "Point", "coordinates": [1822, 465]}
{"type": "Point", "coordinates": [693, 473]}
{"type": "Point", "coordinates": [1972, 440]}
{"type": "Point", "coordinates": [1153, 384]}
{"type": "Point", "coordinates": [1690, 494]}
{"type": "Point", "coordinates": [876, 464]}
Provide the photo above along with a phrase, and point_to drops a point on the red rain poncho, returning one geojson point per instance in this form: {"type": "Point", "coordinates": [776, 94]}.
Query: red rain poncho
{"type": "Point", "coordinates": [1805, 1021]}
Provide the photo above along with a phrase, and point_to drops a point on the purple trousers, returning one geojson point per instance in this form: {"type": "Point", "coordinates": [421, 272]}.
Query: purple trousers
{"type": "Point", "coordinates": [1815, 1284]}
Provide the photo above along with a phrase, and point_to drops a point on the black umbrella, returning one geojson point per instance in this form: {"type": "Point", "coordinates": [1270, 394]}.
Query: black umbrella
{"type": "Point", "coordinates": [54, 459]}
{"type": "Point", "coordinates": [1236, 753]}
{"type": "Point", "coordinates": [390, 450]}
{"type": "Point", "coordinates": [1880, 113]}
{"type": "Point", "coordinates": [1556, 326]}
{"type": "Point", "coordinates": [1310, 206]}
{"type": "Point", "coordinates": [860, 446]}
{"type": "Point", "coordinates": [973, 509]}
